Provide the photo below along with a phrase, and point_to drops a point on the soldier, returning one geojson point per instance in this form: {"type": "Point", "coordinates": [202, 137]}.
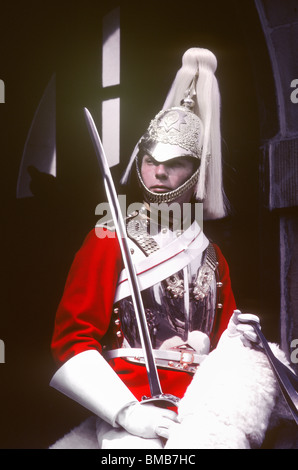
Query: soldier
{"type": "Point", "coordinates": [184, 278]}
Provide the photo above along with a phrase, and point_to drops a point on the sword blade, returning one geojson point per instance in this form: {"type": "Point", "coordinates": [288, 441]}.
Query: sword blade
{"type": "Point", "coordinates": [153, 378]}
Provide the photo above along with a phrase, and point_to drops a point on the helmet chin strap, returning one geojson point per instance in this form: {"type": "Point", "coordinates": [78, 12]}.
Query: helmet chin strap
{"type": "Point", "coordinates": [169, 196]}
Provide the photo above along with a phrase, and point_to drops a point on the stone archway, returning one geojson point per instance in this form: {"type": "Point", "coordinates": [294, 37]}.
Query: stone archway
{"type": "Point", "coordinates": [279, 150]}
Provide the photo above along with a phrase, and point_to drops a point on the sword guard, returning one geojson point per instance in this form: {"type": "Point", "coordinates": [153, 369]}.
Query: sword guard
{"type": "Point", "coordinates": [163, 400]}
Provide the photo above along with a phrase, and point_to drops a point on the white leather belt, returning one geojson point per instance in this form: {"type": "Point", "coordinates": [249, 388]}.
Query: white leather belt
{"type": "Point", "coordinates": [184, 360]}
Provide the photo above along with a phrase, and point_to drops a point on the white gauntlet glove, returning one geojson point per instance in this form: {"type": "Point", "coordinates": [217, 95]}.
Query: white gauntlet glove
{"type": "Point", "coordinates": [238, 328]}
{"type": "Point", "coordinates": [89, 380]}
{"type": "Point", "coordinates": [146, 420]}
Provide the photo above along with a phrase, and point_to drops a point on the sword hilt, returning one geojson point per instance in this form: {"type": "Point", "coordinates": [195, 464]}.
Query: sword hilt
{"type": "Point", "coordinates": [162, 400]}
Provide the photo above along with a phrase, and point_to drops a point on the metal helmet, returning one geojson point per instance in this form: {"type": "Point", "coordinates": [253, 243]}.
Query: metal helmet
{"type": "Point", "coordinates": [173, 133]}
{"type": "Point", "coordinates": [188, 126]}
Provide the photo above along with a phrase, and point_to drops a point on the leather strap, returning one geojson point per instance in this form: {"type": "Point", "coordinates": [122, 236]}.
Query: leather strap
{"type": "Point", "coordinates": [287, 380]}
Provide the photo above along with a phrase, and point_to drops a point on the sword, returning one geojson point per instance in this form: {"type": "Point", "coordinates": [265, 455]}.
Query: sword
{"type": "Point", "coordinates": [157, 395]}
{"type": "Point", "coordinates": [287, 380]}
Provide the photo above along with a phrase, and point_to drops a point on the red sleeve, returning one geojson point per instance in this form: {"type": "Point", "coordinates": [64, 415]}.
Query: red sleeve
{"type": "Point", "coordinates": [84, 312]}
{"type": "Point", "coordinates": [225, 298]}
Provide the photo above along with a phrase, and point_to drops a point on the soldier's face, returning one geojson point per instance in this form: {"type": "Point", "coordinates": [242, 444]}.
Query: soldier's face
{"type": "Point", "coordinates": [167, 176]}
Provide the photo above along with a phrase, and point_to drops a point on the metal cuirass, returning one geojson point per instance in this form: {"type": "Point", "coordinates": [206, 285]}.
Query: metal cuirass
{"type": "Point", "coordinates": [175, 305]}
{"type": "Point", "coordinates": [170, 315]}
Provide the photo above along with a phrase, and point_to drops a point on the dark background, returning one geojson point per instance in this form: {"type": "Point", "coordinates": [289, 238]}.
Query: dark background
{"type": "Point", "coordinates": [40, 235]}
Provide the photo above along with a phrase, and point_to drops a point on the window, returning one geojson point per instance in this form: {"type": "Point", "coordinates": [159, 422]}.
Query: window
{"type": "Point", "coordinates": [111, 85]}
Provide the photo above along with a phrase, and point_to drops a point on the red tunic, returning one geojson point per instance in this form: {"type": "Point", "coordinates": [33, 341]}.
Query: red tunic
{"type": "Point", "coordinates": [84, 313]}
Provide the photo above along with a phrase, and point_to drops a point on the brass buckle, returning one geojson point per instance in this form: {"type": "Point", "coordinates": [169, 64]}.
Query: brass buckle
{"type": "Point", "coordinates": [186, 359]}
